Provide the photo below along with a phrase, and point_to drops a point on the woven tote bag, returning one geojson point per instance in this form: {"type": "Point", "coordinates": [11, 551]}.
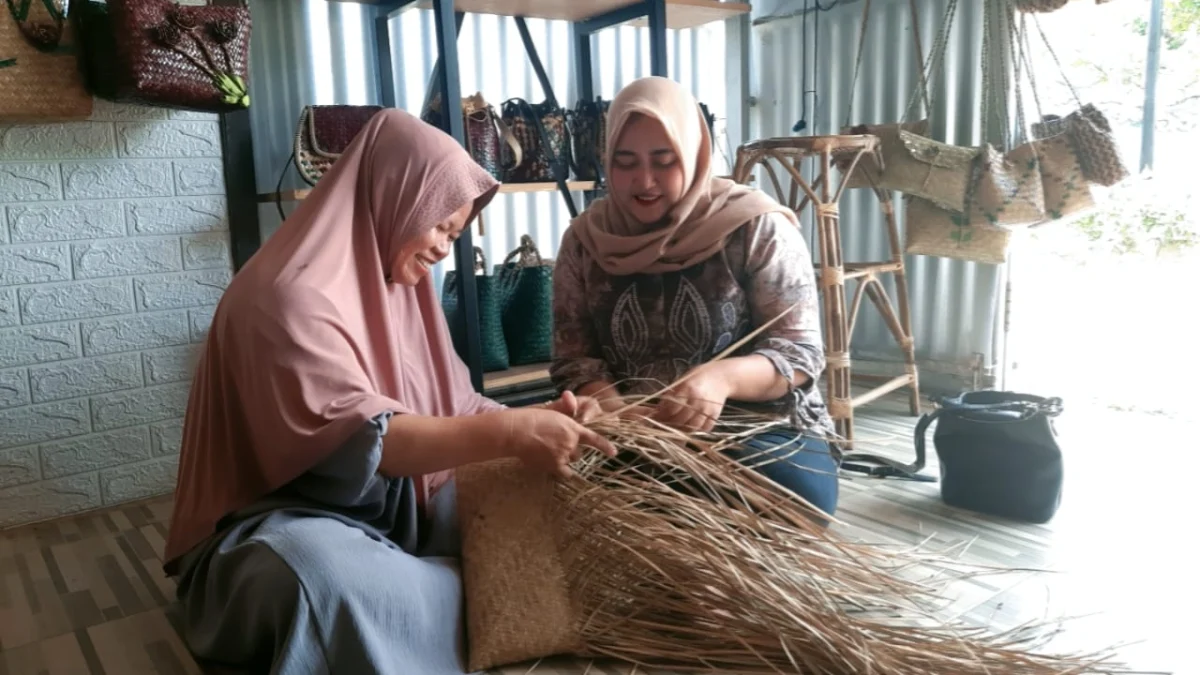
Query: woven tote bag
{"type": "Point", "coordinates": [39, 71]}
{"type": "Point", "coordinates": [156, 52]}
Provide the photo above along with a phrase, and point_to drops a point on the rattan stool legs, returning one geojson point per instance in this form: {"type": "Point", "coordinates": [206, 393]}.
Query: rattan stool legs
{"type": "Point", "coordinates": [832, 271]}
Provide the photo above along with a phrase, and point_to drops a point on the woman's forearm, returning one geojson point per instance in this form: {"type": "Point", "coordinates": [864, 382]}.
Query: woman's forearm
{"type": "Point", "coordinates": [753, 378]}
{"type": "Point", "coordinates": [419, 444]}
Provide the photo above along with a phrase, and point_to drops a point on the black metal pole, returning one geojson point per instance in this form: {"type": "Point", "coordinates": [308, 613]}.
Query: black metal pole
{"type": "Point", "coordinates": [383, 59]}
{"type": "Point", "coordinates": [435, 77]}
{"type": "Point", "coordinates": [560, 169]}
{"type": "Point", "coordinates": [657, 14]}
{"type": "Point", "coordinates": [464, 251]}
{"type": "Point", "coordinates": [241, 186]}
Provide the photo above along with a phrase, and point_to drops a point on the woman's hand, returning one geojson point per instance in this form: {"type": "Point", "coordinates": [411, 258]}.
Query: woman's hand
{"type": "Point", "coordinates": [582, 409]}
{"type": "Point", "coordinates": [546, 439]}
{"type": "Point", "coordinates": [695, 404]}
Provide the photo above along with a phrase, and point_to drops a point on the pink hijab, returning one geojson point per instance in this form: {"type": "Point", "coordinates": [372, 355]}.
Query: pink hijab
{"type": "Point", "coordinates": [311, 340]}
{"type": "Point", "coordinates": [710, 210]}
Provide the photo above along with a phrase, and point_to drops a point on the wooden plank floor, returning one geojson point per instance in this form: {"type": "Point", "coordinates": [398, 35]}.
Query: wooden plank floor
{"type": "Point", "coordinates": [86, 595]}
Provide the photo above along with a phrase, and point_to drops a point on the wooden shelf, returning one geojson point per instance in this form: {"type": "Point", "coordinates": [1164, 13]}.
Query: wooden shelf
{"type": "Point", "coordinates": [515, 377]}
{"type": "Point", "coordinates": [507, 188]}
{"type": "Point", "coordinates": [681, 14]}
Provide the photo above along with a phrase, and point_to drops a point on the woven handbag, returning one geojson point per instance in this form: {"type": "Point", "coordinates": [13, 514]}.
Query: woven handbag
{"type": "Point", "coordinates": [156, 52]}
{"type": "Point", "coordinates": [491, 310]}
{"type": "Point", "coordinates": [485, 133]}
{"type": "Point", "coordinates": [39, 72]}
{"type": "Point", "coordinates": [1092, 138]}
{"type": "Point", "coordinates": [869, 170]}
{"type": "Point", "coordinates": [527, 287]}
{"type": "Point", "coordinates": [933, 231]}
{"type": "Point", "coordinates": [936, 171]}
{"type": "Point", "coordinates": [588, 124]}
{"type": "Point", "coordinates": [1008, 190]}
{"type": "Point", "coordinates": [323, 134]}
{"type": "Point", "coordinates": [541, 131]}
{"type": "Point", "coordinates": [1066, 191]}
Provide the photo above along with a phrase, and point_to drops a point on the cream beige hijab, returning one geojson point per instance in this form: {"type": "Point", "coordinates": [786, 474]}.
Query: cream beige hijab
{"type": "Point", "coordinates": [695, 228]}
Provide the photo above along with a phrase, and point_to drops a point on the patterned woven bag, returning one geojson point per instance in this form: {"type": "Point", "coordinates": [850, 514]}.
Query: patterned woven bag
{"type": "Point", "coordinates": [588, 124]}
{"type": "Point", "coordinates": [156, 52]}
{"type": "Point", "coordinates": [1039, 6]}
{"type": "Point", "coordinates": [1008, 191]}
{"type": "Point", "coordinates": [1065, 189]}
{"type": "Point", "coordinates": [541, 131]}
{"type": "Point", "coordinates": [323, 134]}
{"type": "Point", "coordinates": [934, 231]}
{"type": "Point", "coordinates": [870, 169]}
{"type": "Point", "coordinates": [527, 289]}
{"type": "Point", "coordinates": [485, 132]}
{"type": "Point", "coordinates": [936, 171]}
{"type": "Point", "coordinates": [39, 73]}
{"type": "Point", "coordinates": [1092, 138]}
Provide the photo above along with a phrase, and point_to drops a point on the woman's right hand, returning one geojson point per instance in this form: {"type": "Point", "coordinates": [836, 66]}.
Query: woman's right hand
{"type": "Point", "coordinates": [549, 440]}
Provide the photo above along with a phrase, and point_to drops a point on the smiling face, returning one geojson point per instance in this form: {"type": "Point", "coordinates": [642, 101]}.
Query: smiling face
{"type": "Point", "coordinates": [646, 176]}
{"type": "Point", "coordinates": [418, 256]}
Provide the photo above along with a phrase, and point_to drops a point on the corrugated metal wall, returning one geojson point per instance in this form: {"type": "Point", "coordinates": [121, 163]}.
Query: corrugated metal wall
{"type": "Point", "coordinates": [954, 304]}
{"type": "Point", "coordinates": [318, 52]}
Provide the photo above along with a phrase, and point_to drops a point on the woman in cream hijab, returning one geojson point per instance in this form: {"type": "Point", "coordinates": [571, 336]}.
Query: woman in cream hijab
{"type": "Point", "coordinates": [676, 265]}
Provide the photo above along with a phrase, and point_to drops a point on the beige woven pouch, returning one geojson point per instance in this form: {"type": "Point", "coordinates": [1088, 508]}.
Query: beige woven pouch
{"type": "Point", "coordinates": [936, 171]}
{"type": "Point", "coordinates": [1065, 189]}
{"type": "Point", "coordinates": [1009, 190]}
{"type": "Point", "coordinates": [517, 603]}
{"type": "Point", "coordinates": [933, 231]}
{"type": "Point", "coordinates": [872, 171]}
{"type": "Point", "coordinates": [39, 85]}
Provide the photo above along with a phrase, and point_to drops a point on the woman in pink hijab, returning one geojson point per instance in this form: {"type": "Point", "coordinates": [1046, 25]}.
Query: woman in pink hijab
{"type": "Point", "coordinates": [313, 529]}
{"type": "Point", "coordinates": [674, 266]}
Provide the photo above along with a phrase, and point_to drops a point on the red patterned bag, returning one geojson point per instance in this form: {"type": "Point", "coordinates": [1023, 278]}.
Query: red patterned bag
{"type": "Point", "coordinates": [156, 52]}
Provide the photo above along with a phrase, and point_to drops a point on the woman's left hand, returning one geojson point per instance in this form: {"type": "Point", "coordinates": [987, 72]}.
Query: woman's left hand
{"type": "Point", "coordinates": [696, 403]}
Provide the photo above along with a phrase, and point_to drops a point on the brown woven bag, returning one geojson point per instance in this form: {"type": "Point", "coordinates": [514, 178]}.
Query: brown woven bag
{"type": "Point", "coordinates": [323, 134]}
{"type": "Point", "coordinates": [39, 74]}
{"type": "Point", "coordinates": [156, 52]}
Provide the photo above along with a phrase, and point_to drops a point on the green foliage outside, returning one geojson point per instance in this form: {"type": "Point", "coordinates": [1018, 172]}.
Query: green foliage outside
{"type": "Point", "coordinates": [1106, 62]}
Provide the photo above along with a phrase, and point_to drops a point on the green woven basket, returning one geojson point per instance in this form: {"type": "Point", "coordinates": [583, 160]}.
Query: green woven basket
{"type": "Point", "coordinates": [491, 308]}
{"type": "Point", "coordinates": [527, 287]}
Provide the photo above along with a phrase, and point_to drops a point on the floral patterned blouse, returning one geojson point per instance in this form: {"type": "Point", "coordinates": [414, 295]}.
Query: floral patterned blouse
{"type": "Point", "coordinates": [644, 331]}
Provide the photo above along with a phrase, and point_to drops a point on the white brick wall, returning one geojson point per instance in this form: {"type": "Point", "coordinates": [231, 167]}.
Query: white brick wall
{"type": "Point", "coordinates": [114, 248]}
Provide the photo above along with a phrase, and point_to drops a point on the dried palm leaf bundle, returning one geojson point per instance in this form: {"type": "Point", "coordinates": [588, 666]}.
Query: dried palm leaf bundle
{"type": "Point", "coordinates": [674, 556]}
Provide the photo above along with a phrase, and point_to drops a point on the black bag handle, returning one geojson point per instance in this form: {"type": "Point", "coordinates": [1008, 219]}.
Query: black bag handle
{"type": "Point", "coordinates": [582, 110]}
{"type": "Point", "coordinates": [877, 466]}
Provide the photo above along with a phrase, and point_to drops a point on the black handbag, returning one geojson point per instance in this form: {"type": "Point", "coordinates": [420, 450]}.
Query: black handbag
{"type": "Point", "coordinates": [998, 454]}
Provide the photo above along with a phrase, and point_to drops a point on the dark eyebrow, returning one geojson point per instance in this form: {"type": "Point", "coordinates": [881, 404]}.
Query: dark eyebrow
{"type": "Point", "coordinates": [657, 153]}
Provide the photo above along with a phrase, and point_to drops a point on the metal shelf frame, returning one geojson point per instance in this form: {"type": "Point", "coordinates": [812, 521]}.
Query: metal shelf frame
{"type": "Point", "coordinates": [445, 81]}
{"type": "Point", "coordinates": [239, 161]}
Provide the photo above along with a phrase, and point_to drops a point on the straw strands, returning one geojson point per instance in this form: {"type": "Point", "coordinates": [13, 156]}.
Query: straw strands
{"type": "Point", "coordinates": [672, 555]}
{"type": "Point", "coordinates": [679, 557]}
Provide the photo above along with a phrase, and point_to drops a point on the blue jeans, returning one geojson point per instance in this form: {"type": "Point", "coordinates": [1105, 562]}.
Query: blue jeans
{"type": "Point", "coordinates": [802, 464]}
